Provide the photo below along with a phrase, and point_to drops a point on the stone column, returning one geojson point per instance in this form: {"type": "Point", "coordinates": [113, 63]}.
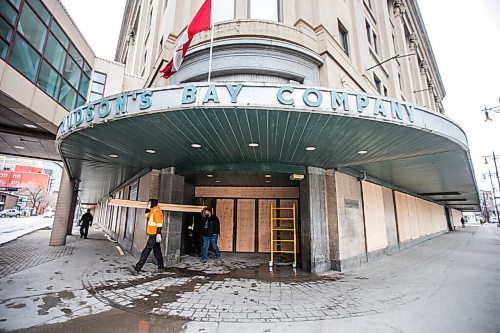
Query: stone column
{"type": "Point", "coordinates": [314, 229]}
{"type": "Point", "coordinates": [63, 218]}
{"type": "Point", "coordinates": [71, 216]}
{"type": "Point", "coordinates": [171, 191]}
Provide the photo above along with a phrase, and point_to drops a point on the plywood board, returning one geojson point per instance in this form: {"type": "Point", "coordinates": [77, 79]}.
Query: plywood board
{"type": "Point", "coordinates": [265, 225]}
{"type": "Point", "coordinates": [373, 204]}
{"type": "Point", "coordinates": [246, 192]}
{"type": "Point", "coordinates": [456, 215]}
{"type": "Point", "coordinates": [163, 206]}
{"type": "Point", "coordinates": [245, 226]}
{"type": "Point", "coordinates": [403, 218]}
{"type": "Point", "coordinates": [423, 216]}
{"type": "Point", "coordinates": [412, 212]}
{"type": "Point", "coordinates": [225, 213]}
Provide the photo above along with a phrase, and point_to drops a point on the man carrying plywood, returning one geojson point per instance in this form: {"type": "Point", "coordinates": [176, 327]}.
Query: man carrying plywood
{"type": "Point", "coordinates": [154, 218]}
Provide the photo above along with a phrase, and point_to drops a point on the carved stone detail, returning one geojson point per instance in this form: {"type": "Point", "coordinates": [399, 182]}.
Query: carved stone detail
{"type": "Point", "coordinates": [398, 7]}
{"type": "Point", "coordinates": [413, 40]}
{"type": "Point", "coordinates": [424, 67]}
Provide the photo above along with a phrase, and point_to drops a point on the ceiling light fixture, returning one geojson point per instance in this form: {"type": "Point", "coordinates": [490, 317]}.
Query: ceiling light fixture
{"type": "Point", "coordinates": [30, 126]}
{"type": "Point", "coordinates": [18, 147]}
{"type": "Point", "coordinates": [113, 155]}
{"type": "Point", "coordinates": [210, 176]}
{"type": "Point", "coordinates": [268, 176]}
{"type": "Point", "coordinates": [311, 148]}
{"type": "Point", "coordinates": [195, 145]}
{"type": "Point", "coordinates": [268, 181]}
{"type": "Point", "coordinates": [217, 181]}
{"type": "Point", "coordinates": [150, 151]}
{"type": "Point", "coordinates": [362, 152]}
{"type": "Point", "coordinates": [253, 144]}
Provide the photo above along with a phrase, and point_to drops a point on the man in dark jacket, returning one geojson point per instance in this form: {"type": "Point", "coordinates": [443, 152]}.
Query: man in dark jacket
{"type": "Point", "coordinates": [85, 222]}
{"type": "Point", "coordinates": [210, 232]}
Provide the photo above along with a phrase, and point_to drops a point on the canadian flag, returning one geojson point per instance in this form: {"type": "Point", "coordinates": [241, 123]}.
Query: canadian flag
{"type": "Point", "coordinates": [200, 22]}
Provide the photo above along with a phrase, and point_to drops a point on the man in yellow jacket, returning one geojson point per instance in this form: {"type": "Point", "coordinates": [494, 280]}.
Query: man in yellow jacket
{"type": "Point", "coordinates": [154, 220]}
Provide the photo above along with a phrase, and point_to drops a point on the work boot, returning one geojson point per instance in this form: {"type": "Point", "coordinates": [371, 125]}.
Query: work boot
{"type": "Point", "coordinates": [133, 270]}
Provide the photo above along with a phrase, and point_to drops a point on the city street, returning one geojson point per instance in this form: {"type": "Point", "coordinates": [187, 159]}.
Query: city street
{"type": "Point", "coordinates": [14, 227]}
{"type": "Point", "coordinates": [446, 284]}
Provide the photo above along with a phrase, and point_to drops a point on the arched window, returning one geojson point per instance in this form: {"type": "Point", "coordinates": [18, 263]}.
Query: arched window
{"type": "Point", "coordinates": [265, 10]}
{"type": "Point", "coordinates": [223, 10]}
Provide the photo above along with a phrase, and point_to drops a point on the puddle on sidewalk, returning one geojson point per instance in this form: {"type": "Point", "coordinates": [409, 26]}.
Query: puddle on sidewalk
{"type": "Point", "coordinates": [113, 321]}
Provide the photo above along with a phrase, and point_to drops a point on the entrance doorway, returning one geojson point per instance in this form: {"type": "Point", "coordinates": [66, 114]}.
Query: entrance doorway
{"type": "Point", "coordinates": [245, 218]}
{"type": "Point", "coordinates": [245, 223]}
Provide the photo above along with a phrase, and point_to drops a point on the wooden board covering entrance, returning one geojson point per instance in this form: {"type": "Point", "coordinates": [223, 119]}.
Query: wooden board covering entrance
{"type": "Point", "coordinates": [245, 230]}
{"type": "Point", "coordinates": [247, 192]}
{"type": "Point", "coordinates": [265, 225]}
{"type": "Point", "coordinates": [225, 213]}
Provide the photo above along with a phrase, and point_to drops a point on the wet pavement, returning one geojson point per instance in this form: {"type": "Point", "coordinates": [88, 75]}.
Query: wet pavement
{"type": "Point", "coordinates": [449, 280]}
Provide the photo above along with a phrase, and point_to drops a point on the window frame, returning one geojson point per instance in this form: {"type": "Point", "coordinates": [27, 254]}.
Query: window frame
{"type": "Point", "coordinates": [378, 83]}
{"type": "Point", "coordinates": [279, 8]}
{"type": "Point", "coordinates": [372, 36]}
{"type": "Point", "coordinates": [42, 53]}
{"type": "Point", "coordinates": [344, 37]}
{"type": "Point", "coordinates": [234, 12]}
{"type": "Point", "coordinates": [103, 84]}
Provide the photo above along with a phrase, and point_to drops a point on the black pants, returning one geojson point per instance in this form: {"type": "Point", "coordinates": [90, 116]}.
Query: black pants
{"type": "Point", "coordinates": [84, 230]}
{"type": "Point", "coordinates": [155, 247]}
{"type": "Point", "coordinates": [197, 243]}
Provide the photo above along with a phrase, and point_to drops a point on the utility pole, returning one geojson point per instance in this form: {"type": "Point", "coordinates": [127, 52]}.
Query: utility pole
{"type": "Point", "coordinates": [485, 206]}
{"type": "Point", "coordinates": [493, 191]}
{"type": "Point", "coordinates": [494, 158]}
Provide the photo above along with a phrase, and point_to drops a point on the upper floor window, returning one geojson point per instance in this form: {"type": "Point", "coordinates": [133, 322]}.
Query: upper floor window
{"type": "Point", "coordinates": [223, 10]}
{"type": "Point", "coordinates": [98, 84]}
{"type": "Point", "coordinates": [372, 37]}
{"type": "Point", "coordinates": [266, 10]}
{"type": "Point", "coordinates": [41, 51]}
{"type": "Point", "coordinates": [344, 37]}
{"type": "Point", "coordinates": [378, 83]}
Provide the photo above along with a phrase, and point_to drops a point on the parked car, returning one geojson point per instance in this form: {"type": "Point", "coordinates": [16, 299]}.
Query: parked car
{"type": "Point", "coordinates": [10, 213]}
{"type": "Point", "coordinates": [48, 213]}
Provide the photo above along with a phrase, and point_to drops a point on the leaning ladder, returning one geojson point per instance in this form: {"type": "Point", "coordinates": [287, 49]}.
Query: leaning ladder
{"type": "Point", "coordinates": [280, 228]}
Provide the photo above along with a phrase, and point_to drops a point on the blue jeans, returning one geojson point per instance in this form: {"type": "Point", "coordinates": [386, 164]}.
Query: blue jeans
{"type": "Point", "coordinates": [206, 241]}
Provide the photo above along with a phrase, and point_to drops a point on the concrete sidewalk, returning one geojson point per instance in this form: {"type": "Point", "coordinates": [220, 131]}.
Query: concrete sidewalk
{"type": "Point", "coordinates": [445, 284]}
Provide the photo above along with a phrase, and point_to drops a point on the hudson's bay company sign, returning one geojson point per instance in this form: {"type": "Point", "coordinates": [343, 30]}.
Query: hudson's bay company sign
{"type": "Point", "coordinates": [299, 98]}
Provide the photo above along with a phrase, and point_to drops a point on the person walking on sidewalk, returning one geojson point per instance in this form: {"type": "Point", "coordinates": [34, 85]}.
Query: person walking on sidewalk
{"type": "Point", "coordinates": [462, 220]}
{"type": "Point", "coordinates": [85, 223]}
{"type": "Point", "coordinates": [154, 224]}
{"type": "Point", "coordinates": [210, 232]}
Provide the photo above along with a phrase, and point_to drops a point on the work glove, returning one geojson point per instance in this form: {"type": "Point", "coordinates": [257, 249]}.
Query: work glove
{"type": "Point", "coordinates": [158, 238]}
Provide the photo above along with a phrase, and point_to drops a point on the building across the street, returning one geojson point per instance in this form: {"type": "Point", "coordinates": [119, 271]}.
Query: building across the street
{"type": "Point", "coordinates": [25, 176]}
{"type": "Point", "coordinates": [330, 107]}
{"type": "Point", "coordinates": [8, 201]}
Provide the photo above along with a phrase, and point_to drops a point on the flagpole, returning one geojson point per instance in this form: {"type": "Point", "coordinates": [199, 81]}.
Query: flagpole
{"type": "Point", "coordinates": [211, 41]}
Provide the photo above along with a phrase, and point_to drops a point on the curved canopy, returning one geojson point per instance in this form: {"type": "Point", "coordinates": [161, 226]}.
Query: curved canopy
{"type": "Point", "coordinates": [252, 128]}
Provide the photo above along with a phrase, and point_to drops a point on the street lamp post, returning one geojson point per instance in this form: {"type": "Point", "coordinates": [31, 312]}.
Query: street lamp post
{"type": "Point", "coordinates": [487, 111]}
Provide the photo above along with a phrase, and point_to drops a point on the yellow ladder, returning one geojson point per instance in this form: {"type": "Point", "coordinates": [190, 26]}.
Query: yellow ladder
{"type": "Point", "coordinates": [281, 225]}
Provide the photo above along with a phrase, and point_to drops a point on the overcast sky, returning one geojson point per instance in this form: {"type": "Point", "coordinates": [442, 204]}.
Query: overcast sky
{"type": "Point", "coordinates": [464, 37]}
